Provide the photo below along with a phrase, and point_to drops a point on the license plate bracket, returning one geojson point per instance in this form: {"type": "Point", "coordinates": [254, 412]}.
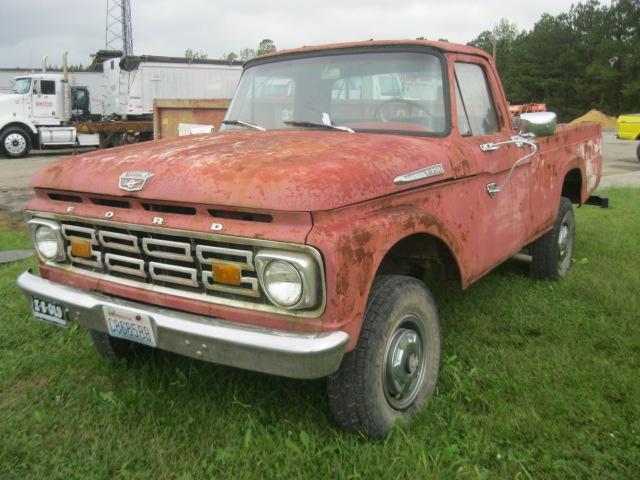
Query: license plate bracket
{"type": "Point", "coordinates": [48, 311]}
{"type": "Point", "coordinates": [129, 325]}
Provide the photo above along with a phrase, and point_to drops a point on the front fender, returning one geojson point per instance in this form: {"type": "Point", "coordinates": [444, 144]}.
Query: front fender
{"type": "Point", "coordinates": [19, 121]}
{"type": "Point", "coordinates": [354, 243]}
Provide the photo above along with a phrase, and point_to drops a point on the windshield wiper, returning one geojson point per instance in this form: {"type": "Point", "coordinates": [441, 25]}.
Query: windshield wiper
{"type": "Point", "coordinates": [244, 124]}
{"type": "Point", "coordinates": [326, 123]}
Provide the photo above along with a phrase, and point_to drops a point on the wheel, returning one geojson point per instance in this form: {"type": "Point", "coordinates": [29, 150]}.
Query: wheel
{"type": "Point", "coordinates": [115, 349]}
{"type": "Point", "coordinates": [393, 370]}
{"type": "Point", "coordinates": [15, 142]}
{"type": "Point", "coordinates": [551, 254]}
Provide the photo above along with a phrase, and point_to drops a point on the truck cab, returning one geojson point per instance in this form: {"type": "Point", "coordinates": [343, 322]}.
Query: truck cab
{"type": "Point", "coordinates": [39, 112]}
{"type": "Point", "coordinates": [302, 239]}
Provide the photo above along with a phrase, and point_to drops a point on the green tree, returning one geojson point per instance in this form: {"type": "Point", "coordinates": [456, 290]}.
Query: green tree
{"type": "Point", "coordinates": [247, 54]}
{"type": "Point", "coordinates": [190, 54]}
{"type": "Point", "coordinates": [266, 46]}
{"type": "Point", "coordinates": [581, 59]}
{"type": "Point", "coordinates": [229, 57]}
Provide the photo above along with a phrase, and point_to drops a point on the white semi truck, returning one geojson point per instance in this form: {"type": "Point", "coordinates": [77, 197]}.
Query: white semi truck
{"type": "Point", "coordinates": [45, 111]}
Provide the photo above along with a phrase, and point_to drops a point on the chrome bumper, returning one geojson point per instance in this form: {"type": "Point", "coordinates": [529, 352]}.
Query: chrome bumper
{"type": "Point", "coordinates": [296, 355]}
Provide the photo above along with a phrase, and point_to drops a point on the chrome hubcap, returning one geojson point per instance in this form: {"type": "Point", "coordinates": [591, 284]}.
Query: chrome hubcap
{"type": "Point", "coordinates": [15, 143]}
{"type": "Point", "coordinates": [404, 365]}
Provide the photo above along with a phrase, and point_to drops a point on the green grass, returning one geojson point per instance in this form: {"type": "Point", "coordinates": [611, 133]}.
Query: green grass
{"type": "Point", "coordinates": [539, 380]}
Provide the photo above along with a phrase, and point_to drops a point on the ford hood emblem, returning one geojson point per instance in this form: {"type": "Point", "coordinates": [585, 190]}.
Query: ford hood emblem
{"type": "Point", "coordinates": [134, 181]}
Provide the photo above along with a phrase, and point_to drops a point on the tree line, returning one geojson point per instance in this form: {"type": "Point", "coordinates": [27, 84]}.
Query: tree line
{"type": "Point", "coordinates": [588, 57]}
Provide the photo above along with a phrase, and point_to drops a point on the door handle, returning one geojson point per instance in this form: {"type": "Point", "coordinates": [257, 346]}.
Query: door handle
{"type": "Point", "coordinates": [520, 142]}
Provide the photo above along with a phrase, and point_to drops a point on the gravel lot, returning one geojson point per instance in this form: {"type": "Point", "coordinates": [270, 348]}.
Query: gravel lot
{"type": "Point", "coordinates": [621, 168]}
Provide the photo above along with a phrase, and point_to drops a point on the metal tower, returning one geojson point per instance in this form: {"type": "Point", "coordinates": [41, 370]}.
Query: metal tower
{"type": "Point", "coordinates": [118, 33]}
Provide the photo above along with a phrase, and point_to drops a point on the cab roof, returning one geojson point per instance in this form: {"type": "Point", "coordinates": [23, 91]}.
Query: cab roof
{"type": "Point", "coordinates": [442, 46]}
{"type": "Point", "coordinates": [40, 76]}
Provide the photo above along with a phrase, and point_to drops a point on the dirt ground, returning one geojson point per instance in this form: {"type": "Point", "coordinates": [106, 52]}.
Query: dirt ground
{"type": "Point", "coordinates": [621, 168]}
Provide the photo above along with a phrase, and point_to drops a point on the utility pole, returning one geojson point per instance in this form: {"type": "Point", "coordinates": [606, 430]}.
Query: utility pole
{"type": "Point", "coordinates": [118, 32]}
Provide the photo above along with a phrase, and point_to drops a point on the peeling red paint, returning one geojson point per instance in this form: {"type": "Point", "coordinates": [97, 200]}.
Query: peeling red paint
{"type": "Point", "coordinates": [335, 191]}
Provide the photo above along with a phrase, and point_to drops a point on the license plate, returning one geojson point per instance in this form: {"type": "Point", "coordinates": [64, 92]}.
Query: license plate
{"type": "Point", "coordinates": [48, 311]}
{"type": "Point", "coordinates": [129, 325]}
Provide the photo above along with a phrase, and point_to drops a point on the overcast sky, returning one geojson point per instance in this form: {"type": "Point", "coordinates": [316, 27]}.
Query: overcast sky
{"type": "Point", "coordinates": [30, 29]}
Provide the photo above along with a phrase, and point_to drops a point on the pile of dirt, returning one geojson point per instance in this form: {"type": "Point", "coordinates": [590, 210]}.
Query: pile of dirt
{"type": "Point", "coordinates": [598, 117]}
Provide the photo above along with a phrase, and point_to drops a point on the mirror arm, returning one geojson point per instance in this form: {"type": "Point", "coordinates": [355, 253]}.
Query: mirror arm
{"type": "Point", "coordinates": [520, 141]}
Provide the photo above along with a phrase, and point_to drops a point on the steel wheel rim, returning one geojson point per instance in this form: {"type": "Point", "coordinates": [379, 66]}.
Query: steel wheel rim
{"type": "Point", "coordinates": [404, 363]}
{"type": "Point", "coordinates": [565, 244]}
{"type": "Point", "coordinates": [15, 143]}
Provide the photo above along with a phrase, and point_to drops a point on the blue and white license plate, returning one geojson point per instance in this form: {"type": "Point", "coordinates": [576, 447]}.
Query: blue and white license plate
{"type": "Point", "coordinates": [129, 325]}
{"type": "Point", "coordinates": [49, 311]}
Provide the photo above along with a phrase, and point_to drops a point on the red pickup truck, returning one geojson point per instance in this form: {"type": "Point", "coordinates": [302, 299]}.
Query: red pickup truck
{"type": "Point", "coordinates": [295, 241]}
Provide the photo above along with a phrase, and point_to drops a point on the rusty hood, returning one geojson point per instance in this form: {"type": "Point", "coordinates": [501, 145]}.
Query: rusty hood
{"type": "Point", "coordinates": [276, 170]}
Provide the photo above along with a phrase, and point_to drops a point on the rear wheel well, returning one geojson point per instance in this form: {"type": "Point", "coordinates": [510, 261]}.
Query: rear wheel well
{"type": "Point", "coordinates": [421, 256]}
{"type": "Point", "coordinates": [572, 186]}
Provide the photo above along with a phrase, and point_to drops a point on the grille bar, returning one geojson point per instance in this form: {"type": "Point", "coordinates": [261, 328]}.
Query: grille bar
{"type": "Point", "coordinates": [132, 266]}
{"type": "Point", "coordinates": [169, 249]}
{"type": "Point", "coordinates": [172, 260]}
{"type": "Point", "coordinates": [124, 242]}
{"type": "Point", "coordinates": [172, 274]}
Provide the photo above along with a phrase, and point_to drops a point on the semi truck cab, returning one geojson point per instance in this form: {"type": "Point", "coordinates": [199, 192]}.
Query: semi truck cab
{"type": "Point", "coordinates": [40, 113]}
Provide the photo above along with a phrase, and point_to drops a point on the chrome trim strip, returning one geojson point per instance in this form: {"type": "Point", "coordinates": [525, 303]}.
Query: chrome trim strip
{"type": "Point", "coordinates": [138, 262]}
{"type": "Point", "coordinates": [85, 230]}
{"type": "Point", "coordinates": [247, 254]}
{"type": "Point", "coordinates": [97, 263]}
{"type": "Point", "coordinates": [192, 281]}
{"type": "Point", "coordinates": [213, 237]}
{"type": "Point", "coordinates": [209, 284]}
{"type": "Point", "coordinates": [431, 171]}
{"type": "Point", "coordinates": [133, 248]}
{"type": "Point", "coordinates": [185, 256]}
{"type": "Point", "coordinates": [278, 352]}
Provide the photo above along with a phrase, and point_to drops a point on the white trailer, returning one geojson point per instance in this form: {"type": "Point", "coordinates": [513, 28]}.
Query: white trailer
{"type": "Point", "coordinates": [131, 84]}
{"type": "Point", "coordinates": [54, 110]}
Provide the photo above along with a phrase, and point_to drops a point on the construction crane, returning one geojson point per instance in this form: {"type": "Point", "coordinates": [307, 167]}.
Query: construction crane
{"type": "Point", "coordinates": [118, 34]}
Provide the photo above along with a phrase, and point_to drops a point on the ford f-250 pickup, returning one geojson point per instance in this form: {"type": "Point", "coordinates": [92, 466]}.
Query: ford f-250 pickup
{"type": "Point", "coordinates": [295, 241]}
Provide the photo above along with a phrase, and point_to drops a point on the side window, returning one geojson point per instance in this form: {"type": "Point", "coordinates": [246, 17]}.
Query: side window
{"type": "Point", "coordinates": [473, 93]}
{"type": "Point", "coordinates": [47, 87]}
{"type": "Point", "coordinates": [79, 97]}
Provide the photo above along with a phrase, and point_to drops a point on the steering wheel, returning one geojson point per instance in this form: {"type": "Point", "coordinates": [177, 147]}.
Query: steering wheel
{"type": "Point", "coordinates": [379, 113]}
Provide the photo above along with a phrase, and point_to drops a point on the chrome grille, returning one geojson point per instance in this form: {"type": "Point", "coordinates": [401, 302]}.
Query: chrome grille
{"type": "Point", "coordinates": [173, 261]}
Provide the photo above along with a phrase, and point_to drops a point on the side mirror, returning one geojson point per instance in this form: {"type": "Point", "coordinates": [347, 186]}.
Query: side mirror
{"type": "Point", "coordinates": [537, 124]}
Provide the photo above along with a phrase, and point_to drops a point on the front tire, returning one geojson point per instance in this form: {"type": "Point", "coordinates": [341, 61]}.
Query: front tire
{"type": "Point", "coordinates": [393, 371]}
{"type": "Point", "coordinates": [551, 254]}
{"type": "Point", "coordinates": [15, 142]}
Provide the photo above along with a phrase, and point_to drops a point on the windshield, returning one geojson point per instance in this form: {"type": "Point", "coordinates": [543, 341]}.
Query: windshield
{"type": "Point", "coordinates": [377, 91]}
{"type": "Point", "coordinates": [22, 85]}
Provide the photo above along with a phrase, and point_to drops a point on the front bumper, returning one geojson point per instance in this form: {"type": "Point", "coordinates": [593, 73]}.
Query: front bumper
{"type": "Point", "coordinates": [296, 355]}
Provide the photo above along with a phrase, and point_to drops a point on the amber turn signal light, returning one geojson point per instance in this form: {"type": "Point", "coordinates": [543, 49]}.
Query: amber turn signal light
{"type": "Point", "coordinates": [226, 274]}
{"type": "Point", "coordinates": [81, 248]}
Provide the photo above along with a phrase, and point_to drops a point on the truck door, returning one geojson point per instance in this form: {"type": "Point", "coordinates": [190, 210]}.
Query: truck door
{"type": "Point", "coordinates": [44, 101]}
{"type": "Point", "coordinates": [502, 226]}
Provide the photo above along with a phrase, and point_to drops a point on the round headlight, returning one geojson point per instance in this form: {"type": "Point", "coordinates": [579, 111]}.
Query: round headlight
{"type": "Point", "coordinates": [283, 283]}
{"type": "Point", "coordinates": [46, 240]}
